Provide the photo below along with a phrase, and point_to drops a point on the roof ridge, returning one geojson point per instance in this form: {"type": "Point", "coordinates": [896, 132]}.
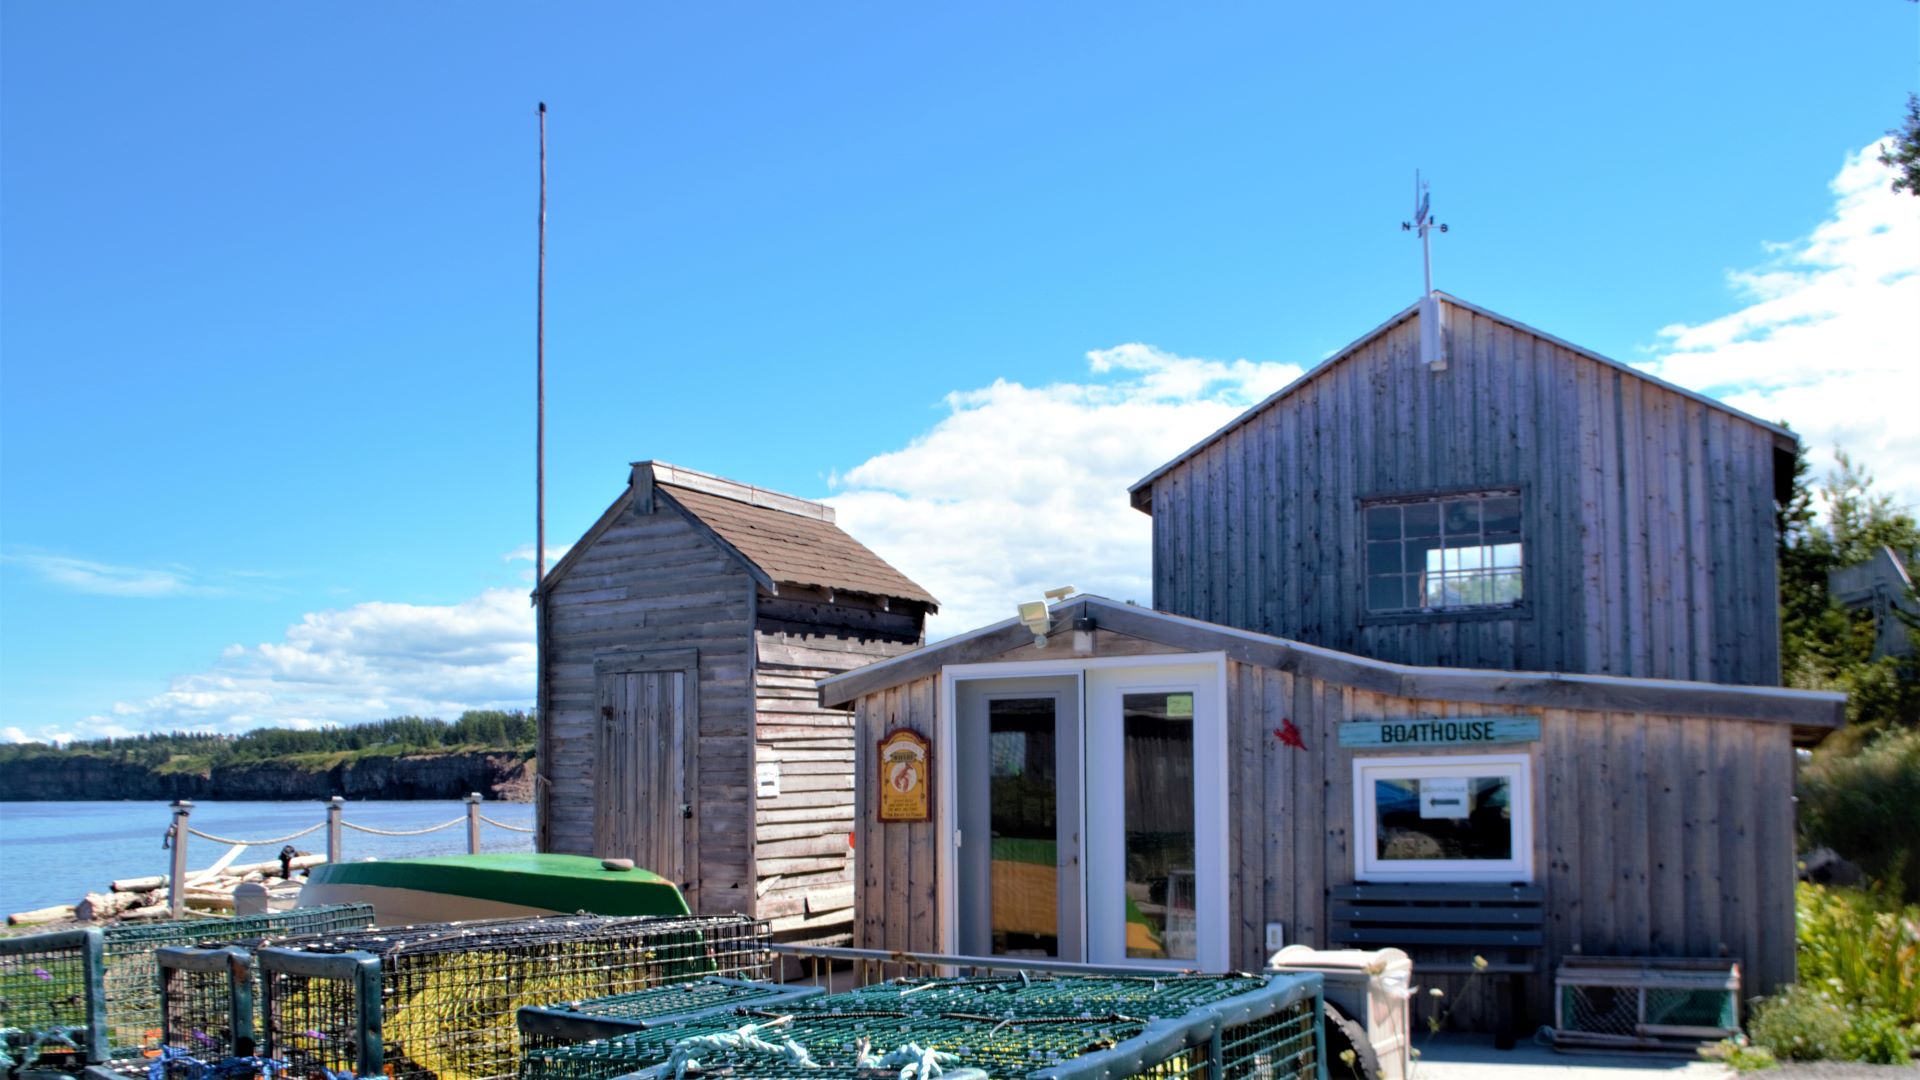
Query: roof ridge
{"type": "Point", "coordinates": [661, 472]}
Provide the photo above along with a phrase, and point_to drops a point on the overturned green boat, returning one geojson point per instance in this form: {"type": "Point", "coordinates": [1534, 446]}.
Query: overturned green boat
{"type": "Point", "coordinates": [494, 886]}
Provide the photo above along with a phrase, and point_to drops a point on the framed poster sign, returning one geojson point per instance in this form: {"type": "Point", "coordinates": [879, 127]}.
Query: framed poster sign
{"type": "Point", "coordinates": [905, 776]}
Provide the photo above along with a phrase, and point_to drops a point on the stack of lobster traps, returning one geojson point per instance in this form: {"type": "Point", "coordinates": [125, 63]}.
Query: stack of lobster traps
{"type": "Point", "coordinates": [1173, 1027]}
{"type": "Point", "coordinates": [593, 998]}
{"type": "Point", "coordinates": [74, 998]}
{"type": "Point", "coordinates": [413, 1002]}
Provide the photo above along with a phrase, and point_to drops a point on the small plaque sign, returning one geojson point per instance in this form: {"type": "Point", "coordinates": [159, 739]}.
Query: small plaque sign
{"type": "Point", "coordinates": [1438, 731]}
{"type": "Point", "coordinates": [906, 761]}
{"type": "Point", "coordinates": [1443, 796]}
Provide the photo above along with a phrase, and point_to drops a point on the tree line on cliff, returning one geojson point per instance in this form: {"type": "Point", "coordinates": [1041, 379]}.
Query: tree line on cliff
{"type": "Point", "coordinates": [485, 729]}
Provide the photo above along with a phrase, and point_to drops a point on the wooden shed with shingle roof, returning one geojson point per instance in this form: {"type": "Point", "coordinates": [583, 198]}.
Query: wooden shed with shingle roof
{"type": "Point", "coordinates": [680, 642]}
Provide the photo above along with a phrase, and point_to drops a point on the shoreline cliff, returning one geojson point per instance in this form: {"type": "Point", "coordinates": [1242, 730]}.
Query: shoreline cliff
{"type": "Point", "coordinates": [497, 774]}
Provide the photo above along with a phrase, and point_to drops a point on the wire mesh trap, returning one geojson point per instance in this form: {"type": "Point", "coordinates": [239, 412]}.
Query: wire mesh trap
{"type": "Point", "coordinates": [53, 1006]}
{"type": "Point", "coordinates": [1663, 1003]}
{"type": "Point", "coordinates": [206, 1001]}
{"type": "Point", "coordinates": [439, 1000]}
{"type": "Point", "coordinates": [606, 1017]}
{"type": "Point", "coordinates": [1064, 1028]}
{"type": "Point", "coordinates": [101, 986]}
{"type": "Point", "coordinates": [133, 979]}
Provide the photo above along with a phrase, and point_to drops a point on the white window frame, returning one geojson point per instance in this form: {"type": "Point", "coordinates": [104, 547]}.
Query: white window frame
{"type": "Point", "coordinates": [1212, 811]}
{"type": "Point", "coordinates": [1517, 768]}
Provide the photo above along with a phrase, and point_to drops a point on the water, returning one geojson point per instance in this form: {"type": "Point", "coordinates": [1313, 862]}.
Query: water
{"type": "Point", "coordinates": [56, 852]}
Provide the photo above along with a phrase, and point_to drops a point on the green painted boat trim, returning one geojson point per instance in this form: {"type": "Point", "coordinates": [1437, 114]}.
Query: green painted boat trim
{"type": "Point", "coordinates": [563, 883]}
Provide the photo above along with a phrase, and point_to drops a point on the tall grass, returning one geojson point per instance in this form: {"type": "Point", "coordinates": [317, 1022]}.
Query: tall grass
{"type": "Point", "coordinates": [1862, 948]}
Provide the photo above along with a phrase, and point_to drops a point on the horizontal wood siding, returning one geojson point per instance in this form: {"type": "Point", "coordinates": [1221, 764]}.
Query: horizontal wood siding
{"type": "Point", "coordinates": [1654, 834]}
{"type": "Point", "coordinates": [653, 583]}
{"type": "Point", "coordinates": [805, 883]}
{"type": "Point", "coordinates": [1648, 514]}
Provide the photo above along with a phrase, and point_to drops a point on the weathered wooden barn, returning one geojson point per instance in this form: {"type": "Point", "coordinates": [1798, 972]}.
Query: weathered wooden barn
{"type": "Point", "coordinates": [1497, 621]}
{"type": "Point", "coordinates": [680, 640]}
{"type": "Point", "coordinates": [1627, 523]}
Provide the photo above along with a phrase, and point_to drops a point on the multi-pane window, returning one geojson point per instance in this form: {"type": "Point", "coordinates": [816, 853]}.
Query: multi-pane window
{"type": "Point", "coordinates": [1444, 553]}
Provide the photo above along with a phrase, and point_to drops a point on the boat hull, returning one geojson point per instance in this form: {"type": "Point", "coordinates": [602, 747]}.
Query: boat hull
{"type": "Point", "coordinates": [459, 887]}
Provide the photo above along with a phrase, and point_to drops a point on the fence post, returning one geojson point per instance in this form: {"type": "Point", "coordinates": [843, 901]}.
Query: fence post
{"type": "Point", "coordinates": [177, 880]}
{"type": "Point", "coordinates": [473, 823]}
{"type": "Point", "coordinates": [333, 828]}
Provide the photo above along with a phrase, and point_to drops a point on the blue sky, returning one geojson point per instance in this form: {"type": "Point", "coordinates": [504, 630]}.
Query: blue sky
{"type": "Point", "coordinates": [266, 280]}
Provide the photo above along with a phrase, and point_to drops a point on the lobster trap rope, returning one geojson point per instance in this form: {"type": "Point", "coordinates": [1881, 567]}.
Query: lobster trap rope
{"type": "Point", "coordinates": [746, 1038]}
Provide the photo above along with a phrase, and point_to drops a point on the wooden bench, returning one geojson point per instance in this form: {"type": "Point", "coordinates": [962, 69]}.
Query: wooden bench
{"type": "Point", "coordinates": [1500, 923]}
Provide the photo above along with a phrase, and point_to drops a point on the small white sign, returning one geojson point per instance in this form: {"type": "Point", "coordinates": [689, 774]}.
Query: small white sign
{"type": "Point", "coordinates": [767, 780]}
{"type": "Point", "coordinates": [1443, 797]}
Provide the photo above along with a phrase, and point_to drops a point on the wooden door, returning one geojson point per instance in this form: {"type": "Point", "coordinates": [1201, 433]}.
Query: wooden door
{"type": "Point", "coordinates": [640, 771]}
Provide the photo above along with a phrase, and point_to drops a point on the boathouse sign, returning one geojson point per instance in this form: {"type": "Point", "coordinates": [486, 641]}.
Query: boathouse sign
{"type": "Point", "coordinates": [1439, 731]}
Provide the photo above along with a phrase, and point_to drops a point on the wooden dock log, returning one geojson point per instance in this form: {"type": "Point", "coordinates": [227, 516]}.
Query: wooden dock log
{"type": "Point", "coordinates": [140, 884]}
{"type": "Point", "coordinates": [96, 907]}
{"type": "Point", "coordinates": [59, 913]}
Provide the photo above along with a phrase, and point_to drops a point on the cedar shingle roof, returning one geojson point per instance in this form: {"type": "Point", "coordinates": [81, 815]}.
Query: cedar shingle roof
{"type": "Point", "coordinates": [793, 549]}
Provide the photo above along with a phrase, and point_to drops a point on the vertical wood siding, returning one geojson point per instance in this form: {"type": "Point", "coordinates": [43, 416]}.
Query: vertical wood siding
{"type": "Point", "coordinates": [1648, 515]}
{"type": "Point", "coordinates": [652, 582]}
{"type": "Point", "coordinates": [1653, 834]}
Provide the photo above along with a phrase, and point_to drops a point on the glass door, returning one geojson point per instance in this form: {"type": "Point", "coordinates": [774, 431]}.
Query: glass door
{"type": "Point", "coordinates": [1018, 812]}
{"type": "Point", "coordinates": [1156, 793]}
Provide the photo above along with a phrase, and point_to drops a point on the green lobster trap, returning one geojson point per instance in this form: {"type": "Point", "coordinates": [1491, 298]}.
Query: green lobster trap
{"type": "Point", "coordinates": [1065, 1028]}
{"type": "Point", "coordinates": [1649, 1003]}
{"type": "Point", "coordinates": [53, 1002]}
{"type": "Point", "coordinates": [99, 988]}
{"type": "Point", "coordinates": [206, 1001]}
{"type": "Point", "coordinates": [439, 1000]}
{"type": "Point", "coordinates": [620, 1014]}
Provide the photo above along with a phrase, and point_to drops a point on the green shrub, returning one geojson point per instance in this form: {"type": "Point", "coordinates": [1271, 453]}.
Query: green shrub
{"type": "Point", "coordinates": [1858, 998]}
{"type": "Point", "coordinates": [1740, 1054]}
{"type": "Point", "coordinates": [1861, 947]}
{"type": "Point", "coordinates": [1867, 807]}
{"type": "Point", "coordinates": [1878, 1036]}
{"type": "Point", "coordinates": [1801, 1024]}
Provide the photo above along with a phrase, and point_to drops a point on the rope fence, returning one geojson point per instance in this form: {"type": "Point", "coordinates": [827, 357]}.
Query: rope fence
{"type": "Point", "coordinates": [400, 832]}
{"type": "Point", "coordinates": [335, 825]}
{"type": "Point", "coordinates": [504, 825]}
{"type": "Point", "coordinates": [258, 843]}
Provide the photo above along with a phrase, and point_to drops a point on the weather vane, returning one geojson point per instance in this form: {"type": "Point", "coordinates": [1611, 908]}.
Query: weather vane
{"type": "Point", "coordinates": [1423, 221]}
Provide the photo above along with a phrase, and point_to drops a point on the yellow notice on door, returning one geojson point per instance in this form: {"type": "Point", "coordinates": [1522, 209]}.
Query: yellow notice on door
{"type": "Point", "coordinates": [1179, 706]}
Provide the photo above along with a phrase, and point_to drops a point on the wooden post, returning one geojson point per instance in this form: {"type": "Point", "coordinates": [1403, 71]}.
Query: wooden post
{"type": "Point", "coordinates": [333, 828]}
{"type": "Point", "coordinates": [473, 823]}
{"type": "Point", "coordinates": [177, 880]}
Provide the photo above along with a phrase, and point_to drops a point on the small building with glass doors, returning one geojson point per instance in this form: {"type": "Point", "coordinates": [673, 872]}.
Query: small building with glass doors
{"type": "Point", "coordinates": [1146, 789]}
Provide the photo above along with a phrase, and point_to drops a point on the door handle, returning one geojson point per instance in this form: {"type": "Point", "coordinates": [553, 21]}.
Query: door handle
{"type": "Point", "coordinates": [686, 810]}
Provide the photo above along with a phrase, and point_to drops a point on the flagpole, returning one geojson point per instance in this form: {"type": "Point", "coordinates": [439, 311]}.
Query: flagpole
{"type": "Point", "coordinates": [540, 379]}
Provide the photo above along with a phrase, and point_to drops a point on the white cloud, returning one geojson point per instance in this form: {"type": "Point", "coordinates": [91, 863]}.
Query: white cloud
{"type": "Point", "coordinates": [524, 553]}
{"type": "Point", "coordinates": [14, 734]}
{"type": "Point", "coordinates": [1020, 489]}
{"type": "Point", "coordinates": [107, 579]}
{"type": "Point", "coordinates": [1829, 337]}
{"type": "Point", "coordinates": [348, 665]}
